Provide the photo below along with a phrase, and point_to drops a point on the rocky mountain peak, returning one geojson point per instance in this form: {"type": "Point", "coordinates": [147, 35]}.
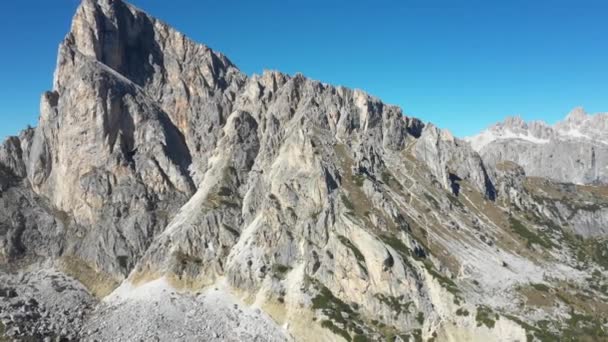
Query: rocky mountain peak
{"type": "Point", "coordinates": [166, 182]}
{"type": "Point", "coordinates": [581, 125]}
{"type": "Point", "coordinates": [514, 122]}
{"type": "Point", "coordinates": [134, 44]}
{"type": "Point", "coordinates": [576, 115]}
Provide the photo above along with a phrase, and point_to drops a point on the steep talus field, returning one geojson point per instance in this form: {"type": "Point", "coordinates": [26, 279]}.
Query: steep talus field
{"type": "Point", "coordinates": [165, 195]}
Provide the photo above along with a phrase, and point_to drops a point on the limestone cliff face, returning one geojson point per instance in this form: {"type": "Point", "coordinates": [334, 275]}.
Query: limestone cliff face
{"type": "Point", "coordinates": [451, 160]}
{"type": "Point", "coordinates": [156, 161]}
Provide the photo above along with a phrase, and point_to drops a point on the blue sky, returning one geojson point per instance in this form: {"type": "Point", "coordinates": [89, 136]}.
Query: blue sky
{"type": "Point", "coordinates": [460, 64]}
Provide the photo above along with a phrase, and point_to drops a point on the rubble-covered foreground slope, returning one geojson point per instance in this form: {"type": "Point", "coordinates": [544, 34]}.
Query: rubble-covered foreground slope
{"type": "Point", "coordinates": [167, 196]}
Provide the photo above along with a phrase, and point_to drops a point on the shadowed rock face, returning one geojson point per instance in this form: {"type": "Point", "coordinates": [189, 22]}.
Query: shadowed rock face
{"type": "Point", "coordinates": [156, 162]}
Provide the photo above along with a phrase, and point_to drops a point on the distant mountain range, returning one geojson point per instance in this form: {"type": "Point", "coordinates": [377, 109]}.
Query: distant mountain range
{"type": "Point", "coordinates": [573, 150]}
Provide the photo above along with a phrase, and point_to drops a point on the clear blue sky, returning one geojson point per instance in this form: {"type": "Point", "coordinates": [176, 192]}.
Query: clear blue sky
{"type": "Point", "coordinates": [460, 64]}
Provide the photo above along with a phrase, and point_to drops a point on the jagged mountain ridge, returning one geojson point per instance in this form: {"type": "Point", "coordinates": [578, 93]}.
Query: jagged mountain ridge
{"type": "Point", "coordinates": [573, 150]}
{"type": "Point", "coordinates": [159, 169]}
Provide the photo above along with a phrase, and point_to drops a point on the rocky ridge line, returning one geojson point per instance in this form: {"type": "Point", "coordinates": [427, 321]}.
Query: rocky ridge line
{"type": "Point", "coordinates": [317, 212]}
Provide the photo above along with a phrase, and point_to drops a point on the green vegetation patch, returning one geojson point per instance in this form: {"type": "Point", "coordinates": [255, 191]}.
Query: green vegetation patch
{"type": "Point", "coordinates": [3, 337]}
{"type": "Point", "coordinates": [344, 320]}
{"type": "Point", "coordinates": [462, 312]}
{"type": "Point", "coordinates": [185, 259]}
{"type": "Point", "coordinates": [390, 180]}
{"type": "Point", "coordinates": [417, 334]}
{"type": "Point", "coordinates": [280, 271]}
{"type": "Point", "coordinates": [455, 201]}
{"type": "Point", "coordinates": [582, 206]}
{"type": "Point", "coordinates": [341, 318]}
{"type": "Point", "coordinates": [216, 201]}
{"type": "Point", "coordinates": [432, 200]}
{"type": "Point", "coordinates": [386, 177]}
{"type": "Point", "coordinates": [444, 281]}
{"type": "Point", "coordinates": [485, 316]}
{"type": "Point", "coordinates": [588, 250]}
{"type": "Point", "coordinates": [359, 179]}
{"type": "Point", "coordinates": [360, 338]}
{"type": "Point", "coordinates": [335, 329]}
{"type": "Point", "coordinates": [579, 327]}
{"type": "Point", "coordinates": [347, 203]}
{"type": "Point", "coordinates": [404, 252]}
{"type": "Point", "coordinates": [541, 287]}
{"type": "Point", "coordinates": [231, 230]}
{"type": "Point", "coordinates": [397, 245]}
{"type": "Point", "coordinates": [531, 237]}
{"type": "Point", "coordinates": [420, 318]}
{"type": "Point", "coordinates": [395, 303]}
{"type": "Point", "coordinates": [542, 334]}
{"type": "Point", "coordinates": [328, 303]}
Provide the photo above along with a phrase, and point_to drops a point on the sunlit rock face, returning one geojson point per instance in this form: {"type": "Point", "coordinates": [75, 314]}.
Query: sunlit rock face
{"type": "Point", "coordinates": [165, 195]}
{"type": "Point", "coordinates": [574, 150]}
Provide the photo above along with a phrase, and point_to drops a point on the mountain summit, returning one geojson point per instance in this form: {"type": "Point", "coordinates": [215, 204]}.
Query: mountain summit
{"type": "Point", "coordinates": [574, 150]}
{"type": "Point", "coordinates": [165, 195]}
